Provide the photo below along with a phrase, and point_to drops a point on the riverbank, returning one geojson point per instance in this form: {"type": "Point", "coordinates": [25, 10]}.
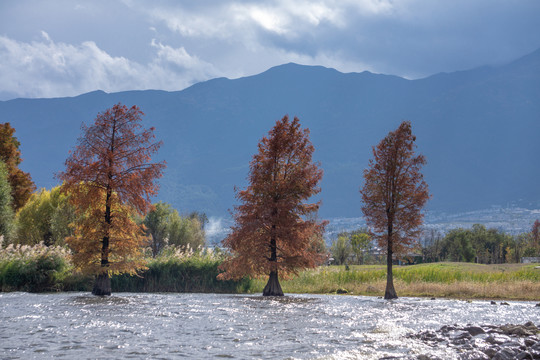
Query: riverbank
{"type": "Point", "coordinates": [43, 269]}
{"type": "Point", "coordinates": [440, 280]}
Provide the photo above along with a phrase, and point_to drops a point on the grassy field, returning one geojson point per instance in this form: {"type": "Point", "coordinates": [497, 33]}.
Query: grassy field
{"type": "Point", "coordinates": [446, 280]}
{"type": "Point", "coordinates": [40, 268]}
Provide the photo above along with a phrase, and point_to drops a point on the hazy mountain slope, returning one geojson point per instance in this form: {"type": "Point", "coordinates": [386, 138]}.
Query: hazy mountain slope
{"type": "Point", "coordinates": [479, 130]}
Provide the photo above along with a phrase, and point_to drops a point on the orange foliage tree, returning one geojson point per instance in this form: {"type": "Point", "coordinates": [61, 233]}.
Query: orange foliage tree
{"type": "Point", "coordinates": [21, 182]}
{"type": "Point", "coordinates": [275, 229]}
{"type": "Point", "coordinates": [110, 179]}
{"type": "Point", "coordinates": [393, 194]}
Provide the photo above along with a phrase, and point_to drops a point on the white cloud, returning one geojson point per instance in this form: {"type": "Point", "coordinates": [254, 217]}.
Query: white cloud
{"type": "Point", "coordinates": [190, 24]}
{"type": "Point", "coordinates": [49, 69]}
{"type": "Point", "coordinates": [45, 36]}
{"type": "Point", "coordinates": [268, 19]}
{"type": "Point", "coordinates": [60, 50]}
{"type": "Point", "coordinates": [178, 56]}
{"type": "Point", "coordinates": [223, 19]}
{"type": "Point", "coordinates": [243, 38]}
{"type": "Point", "coordinates": [374, 7]}
{"type": "Point", "coordinates": [290, 18]}
{"type": "Point", "coordinates": [246, 37]}
{"type": "Point", "coordinates": [279, 16]}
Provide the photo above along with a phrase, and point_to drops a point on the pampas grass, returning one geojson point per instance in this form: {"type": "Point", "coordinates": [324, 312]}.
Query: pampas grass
{"type": "Point", "coordinates": [183, 269]}
{"type": "Point", "coordinates": [35, 268]}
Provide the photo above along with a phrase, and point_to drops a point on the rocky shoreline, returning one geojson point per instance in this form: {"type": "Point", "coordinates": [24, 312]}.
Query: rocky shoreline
{"type": "Point", "coordinates": [486, 342]}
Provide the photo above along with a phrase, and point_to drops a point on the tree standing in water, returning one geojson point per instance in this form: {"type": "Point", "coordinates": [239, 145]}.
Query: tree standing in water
{"type": "Point", "coordinates": [275, 228]}
{"type": "Point", "coordinates": [394, 193]}
{"type": "Point", "coordinates": [110, 178]}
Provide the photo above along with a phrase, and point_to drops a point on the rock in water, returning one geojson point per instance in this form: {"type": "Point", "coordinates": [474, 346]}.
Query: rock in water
{"type": "Point", "coordinates": [487, 341]}
{"type": "Point", "coordinates": [474, 355]}
{"type": "Point", "coordinates": [475, 330]}
{"type": "Point", "coordinates": [505, 354]}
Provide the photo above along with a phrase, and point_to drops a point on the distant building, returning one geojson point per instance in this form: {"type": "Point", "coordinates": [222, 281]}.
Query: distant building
{"type": "Point", "coordinates": [530, 260]}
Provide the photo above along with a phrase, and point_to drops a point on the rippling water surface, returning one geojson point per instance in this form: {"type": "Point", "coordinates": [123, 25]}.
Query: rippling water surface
{"type": "Point", "coordinates": [80, 326]}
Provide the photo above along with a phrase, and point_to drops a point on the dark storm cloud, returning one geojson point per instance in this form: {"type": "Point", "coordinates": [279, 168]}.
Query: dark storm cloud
{"type": "Point", "coordinates": [59, 48]}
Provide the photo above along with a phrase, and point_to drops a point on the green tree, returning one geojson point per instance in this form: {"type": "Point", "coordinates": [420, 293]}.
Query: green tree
{"type": "Point", "coordinates": [167, 227]}
{"type": "Point", "coordinates": [485, 246]}
{"type": "Point", "coordinates": [201, 216]}
{"type": "Point", "coordinates": [63, 216]}
{"type": "Point", "coordinates": [6, 210]}
{"type": "Point", "coordinates": [341, 249]}
{"type": "Point", "coordinates": [360, 245]}
{"type": "Point", "coordinates": [46, 218]}
{"type": "Point", "coordinates": [457, 246]}
{"type": "Point", "coordinates": [529, 250]}
{"type": "Point", "coordinates": [490, 245]}
{"type": "Point", "coordinates": [157, 222]}
{"type": "Point", "coordinates": [532, 248]}
{"type": "Point", "coordinates": [185, 231]}
{"type": "Point", "coordinates": [431, 245]}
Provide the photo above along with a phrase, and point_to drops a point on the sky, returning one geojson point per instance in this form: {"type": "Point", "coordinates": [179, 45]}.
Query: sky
{"type": "Point", "coordinates": [59, 48]}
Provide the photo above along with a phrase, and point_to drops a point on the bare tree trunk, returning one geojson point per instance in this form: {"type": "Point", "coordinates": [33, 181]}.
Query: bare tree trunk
{"type": "Point", "coordinates": [273, 288]}
{"type": "Point", "coordinates": [390, 292]}
{"type": "Point", "coordinates": [102, 285]}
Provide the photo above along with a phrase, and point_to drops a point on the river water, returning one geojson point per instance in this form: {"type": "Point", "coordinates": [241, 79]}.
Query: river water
{"type": "Point", "coordinates": [199, 326]}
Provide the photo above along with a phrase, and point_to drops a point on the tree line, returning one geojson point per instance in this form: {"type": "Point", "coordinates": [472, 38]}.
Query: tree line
{"type": "Point", "coordinates": [480, 245]}
{"type": "Point", "coordinates": [48, 215]}
{"type": "Point", "coordinates": [102, 209]}
{"type": "Point", "coordinates": [353, 247]}
{"type": "Point", "coordinates": [477, 244]}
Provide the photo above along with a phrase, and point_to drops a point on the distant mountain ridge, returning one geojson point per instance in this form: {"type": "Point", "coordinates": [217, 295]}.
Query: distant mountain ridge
{"type": "Point", "coordinates": [478, 129]}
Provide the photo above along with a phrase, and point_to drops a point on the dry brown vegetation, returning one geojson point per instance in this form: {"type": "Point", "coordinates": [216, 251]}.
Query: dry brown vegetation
{"type": "Point", "coordinates": [441, 280]}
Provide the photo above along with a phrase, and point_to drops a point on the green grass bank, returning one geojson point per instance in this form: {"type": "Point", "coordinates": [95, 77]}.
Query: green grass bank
{"type": "Point", "coordinates": [44, 269]}
{"type": "Point", "coordinates": [446, 280]}
{"type": "Point", "coordinates": [48, 269]}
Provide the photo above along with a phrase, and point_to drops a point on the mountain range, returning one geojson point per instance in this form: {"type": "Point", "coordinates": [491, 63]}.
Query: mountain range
{"type": "Point", "coordinates": [479, 130]}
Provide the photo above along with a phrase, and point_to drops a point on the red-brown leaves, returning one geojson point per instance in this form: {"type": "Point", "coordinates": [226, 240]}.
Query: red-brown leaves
{"type": "Point", "coordinates": [394, 191]}
{"type": "Point", "coordinates": [115, 153]}
{"type": "Point", "coordinates": [270, 231]}
{"type": "Point", "coordinates": [109, 177]}
{"type": "Point", "coordinates": [126, 239]}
